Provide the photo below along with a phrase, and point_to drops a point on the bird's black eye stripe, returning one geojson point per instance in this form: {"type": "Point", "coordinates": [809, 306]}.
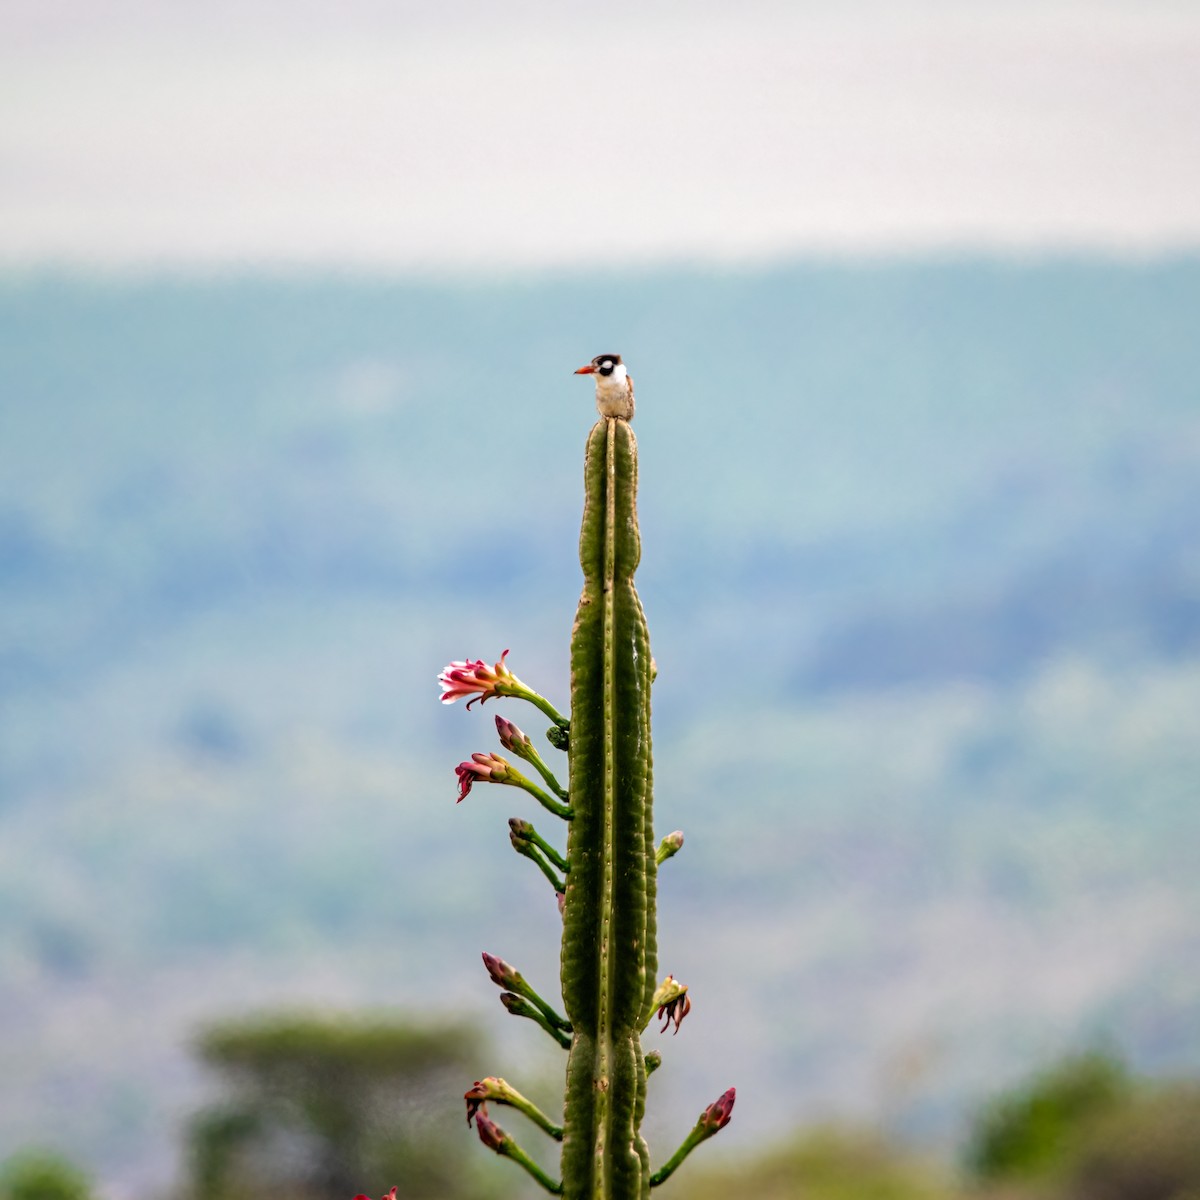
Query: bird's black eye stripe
{"type": "Point", "coordinates": [606, 363]}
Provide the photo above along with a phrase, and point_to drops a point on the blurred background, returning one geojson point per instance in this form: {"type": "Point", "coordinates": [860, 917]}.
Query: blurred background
{"type": "Point", "coordinates": [290, 298]}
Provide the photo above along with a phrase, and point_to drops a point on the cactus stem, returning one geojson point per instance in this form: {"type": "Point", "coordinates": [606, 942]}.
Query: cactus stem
{"type": "Point", "coordinates": [509, 979]}
{"type": "Point", "coordinates": [520, 1007]}
{"type": "Point", "coordinates": [710, 1122]}
{"type": "Point", "coordinates": [531, 852]}
{"type": "Point", "coordinates": [549, 804]}
{"type": "Point", "coordinates": [500, 1091]}
{"type": "Point", "coordinates": [523, 830]}
{"type": "Point", "coordinates": [542, 703]}
{"type": "Point", "coordinates": [492, 1136]}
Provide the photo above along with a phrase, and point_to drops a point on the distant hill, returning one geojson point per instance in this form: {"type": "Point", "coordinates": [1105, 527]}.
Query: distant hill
{"type": "Point", "coordinates": [922, 568]}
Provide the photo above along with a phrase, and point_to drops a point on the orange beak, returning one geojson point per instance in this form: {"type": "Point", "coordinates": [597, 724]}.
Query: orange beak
{"type": "Point", "coordinates": [588, 370]}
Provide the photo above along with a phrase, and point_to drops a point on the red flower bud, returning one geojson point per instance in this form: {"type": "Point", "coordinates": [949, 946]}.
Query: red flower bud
{"type": "Point", "coordinates": [716, 1115]}
{"type": "Point", "coordinates": [513, 739]}
{"type": "Point", "coordinates": [490, 1134]}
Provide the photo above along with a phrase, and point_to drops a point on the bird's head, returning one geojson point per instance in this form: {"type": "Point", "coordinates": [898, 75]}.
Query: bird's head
{"type": "Point", "coordinates": [606, 366]}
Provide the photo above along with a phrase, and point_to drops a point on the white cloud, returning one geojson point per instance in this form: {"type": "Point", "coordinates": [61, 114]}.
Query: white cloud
{"type": "Point", "coordinates": [372, 134]}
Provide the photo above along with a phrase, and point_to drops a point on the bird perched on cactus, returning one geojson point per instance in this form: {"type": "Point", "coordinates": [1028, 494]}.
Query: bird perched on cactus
{"type": "Point", "coordinates": [614, 386]}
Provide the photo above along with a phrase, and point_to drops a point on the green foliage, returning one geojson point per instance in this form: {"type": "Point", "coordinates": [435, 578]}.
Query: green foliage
{"type": "Point", "coordinates": [322, 1107]}
{"type": "Point", "coordinates": [1029, 1131]}
{"type": "Point", "coordinates": [827, 1164]}
{"type": "Point", "coordinates": [42, 1175]}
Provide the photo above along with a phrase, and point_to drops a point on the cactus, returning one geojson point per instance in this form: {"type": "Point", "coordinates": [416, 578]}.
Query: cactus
{"type": "Point", "coordinates": [607, 881]}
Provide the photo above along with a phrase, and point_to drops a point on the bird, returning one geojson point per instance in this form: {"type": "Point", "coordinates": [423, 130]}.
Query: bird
{"type": "Point", "coordinates": [614, 386]}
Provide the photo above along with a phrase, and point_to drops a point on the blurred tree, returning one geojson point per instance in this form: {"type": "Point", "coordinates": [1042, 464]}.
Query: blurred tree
{"type": "Point", "coordinates": [328, 1108]}
{"type": "Point", "coordinates": [1030, 1131]}
{"type": "Point", "coordinates": [1148, 1149]}
{"type": "Point", "coordinates": [42, 1175]}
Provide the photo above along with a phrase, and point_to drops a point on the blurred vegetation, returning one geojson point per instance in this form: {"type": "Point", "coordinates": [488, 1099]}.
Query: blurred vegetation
{"type": "Point", "coordinates": [1082, 1129]}
{"type": "Point", "coordinates": [42, 1175]}
{"type": "Point", "coordinates": [321, 1107]}
{"type": "Point", "coordinates": [1148, 1149]}
{"type": "Point", "coordinates": [828, 1164]}
{"type": "Point", "coordinates": [1086, 1129]}
{"type": "Point", "coordinates": [1027, 1132]}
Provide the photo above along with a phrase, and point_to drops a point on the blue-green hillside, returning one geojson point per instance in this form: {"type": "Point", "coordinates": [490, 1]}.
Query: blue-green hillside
{"type": "Point", "coordinates": [921, 563]}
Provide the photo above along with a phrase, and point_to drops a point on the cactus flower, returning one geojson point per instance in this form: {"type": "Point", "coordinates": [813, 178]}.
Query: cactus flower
{"type": "Point", "coordinates": [474, 678]}
{"type": "Point", "coordinates": [485, 768]}
{"type": "Point", "coordinates": [388, 1196]}
{"type": "Point", "coordinates": [672, 1001]}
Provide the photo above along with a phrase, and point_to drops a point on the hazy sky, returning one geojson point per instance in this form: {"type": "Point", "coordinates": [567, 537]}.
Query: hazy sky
{"type": "Point", "coordinates": [470, 134]}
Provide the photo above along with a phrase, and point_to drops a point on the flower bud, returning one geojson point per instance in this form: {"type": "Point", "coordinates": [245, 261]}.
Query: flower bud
{"type": "Point", "coordinates": [653, 1062]}
{"type": "Point", "coordinates": [518, 1005]}
{"type": "Point", "coordinates": [512, 738]}
{"type": "Point", "coordinates": [490, 1134]}
{"type": "Point", "coordinates": [670, 845]}
{"type": "Point", "coordinates": [501, 973]}
{"type": "Point", "coordinates": [716, 1115]}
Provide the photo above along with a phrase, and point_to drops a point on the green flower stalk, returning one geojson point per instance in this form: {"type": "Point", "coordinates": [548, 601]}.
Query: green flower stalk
{"type": "Point", "coordinates": [498, 1091]}
{"type": "Point", "coordinates": [608, 886]}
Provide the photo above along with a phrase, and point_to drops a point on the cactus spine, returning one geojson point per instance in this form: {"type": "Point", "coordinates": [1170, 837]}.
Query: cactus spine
{"type": "Point", "coordinates": [608, 878]}
{"type": "Point", "coordinates": [608, 948]}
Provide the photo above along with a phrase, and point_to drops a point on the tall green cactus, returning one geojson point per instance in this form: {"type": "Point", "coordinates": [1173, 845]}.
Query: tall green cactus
{"type": "Point", "coordinates": [609, 953]}
{"type": "Point", "coordinates": [607, 880]}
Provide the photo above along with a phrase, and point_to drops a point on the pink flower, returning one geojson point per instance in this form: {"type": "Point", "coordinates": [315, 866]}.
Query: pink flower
{"type": "Point", "coordinates": [390, 1196]}
{"type": "Point", "coordinates": [486, 768]}
{"type": "Point", "coordinates": [476, 679]}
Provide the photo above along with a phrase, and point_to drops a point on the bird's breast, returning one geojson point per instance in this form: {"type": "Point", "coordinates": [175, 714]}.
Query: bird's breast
{"type": "Point", "coordinates": [614, 397]}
